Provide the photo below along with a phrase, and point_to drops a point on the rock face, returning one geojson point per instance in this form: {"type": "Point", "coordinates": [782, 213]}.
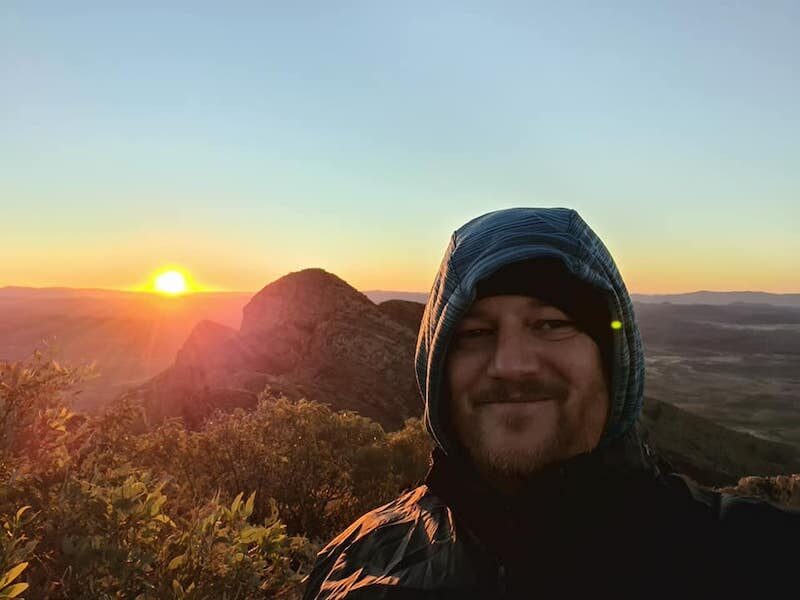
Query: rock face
{"type": "Point", "coordinates": [307, 334]}
{"type": "Point", "coordinates": [404, 312]}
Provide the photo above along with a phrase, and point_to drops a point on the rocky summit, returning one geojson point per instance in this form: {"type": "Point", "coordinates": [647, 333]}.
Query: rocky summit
{"type": "Point", "coordinates": [308, 334]}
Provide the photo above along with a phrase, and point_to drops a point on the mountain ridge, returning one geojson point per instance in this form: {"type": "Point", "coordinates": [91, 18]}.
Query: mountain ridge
{"type": "Point", "coordinates": [378, 295]}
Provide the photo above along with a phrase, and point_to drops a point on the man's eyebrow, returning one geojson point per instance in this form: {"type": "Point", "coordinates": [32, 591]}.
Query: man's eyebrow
{"type": "Point", "coordinates": [475, 314]}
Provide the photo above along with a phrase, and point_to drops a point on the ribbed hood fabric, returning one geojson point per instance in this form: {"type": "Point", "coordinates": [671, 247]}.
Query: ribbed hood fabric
{"type": "Point", "coordinates": [499, 238]}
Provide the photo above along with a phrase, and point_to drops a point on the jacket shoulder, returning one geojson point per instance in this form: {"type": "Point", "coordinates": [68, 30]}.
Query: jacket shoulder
{"type": "Point", "coordinates": [752, 532]}
{"type": "Point", "coordinates": [410, 543]}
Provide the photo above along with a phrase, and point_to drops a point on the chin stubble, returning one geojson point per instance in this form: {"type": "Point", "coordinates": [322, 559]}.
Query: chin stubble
{"type": "Point", "coordinates": [517, 462]}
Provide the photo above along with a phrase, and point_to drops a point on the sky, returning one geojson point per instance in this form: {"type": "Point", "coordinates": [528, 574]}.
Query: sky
{"type": "Point", "coordinates": [240, 141]}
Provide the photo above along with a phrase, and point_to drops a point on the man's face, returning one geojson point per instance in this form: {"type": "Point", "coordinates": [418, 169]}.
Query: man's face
{"type": "Point", "coordinates": [526, 386]}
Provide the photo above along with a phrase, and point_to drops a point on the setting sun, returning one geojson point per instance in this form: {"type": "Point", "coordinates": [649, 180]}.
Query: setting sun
{"type": "Point", "coordinates": [170, 282]}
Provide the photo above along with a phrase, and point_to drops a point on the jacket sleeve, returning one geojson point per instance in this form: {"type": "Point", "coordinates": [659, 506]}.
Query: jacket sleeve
{"type": "Point", "coordinates": [761, 544]}
{"type": "Point", "coordinates": [403, 550]}
{"type": "Point", "coordinates": [322, 585]}
{"type": "Point", "coordinates": [757, 543]}
{"type": "Point", "coordinates": [315, 580]}
{"type": "Point", "coordinates": [764, 526]}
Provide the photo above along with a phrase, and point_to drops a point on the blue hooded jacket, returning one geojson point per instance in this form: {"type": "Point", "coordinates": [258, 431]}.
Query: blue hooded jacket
{"type": "Point", "coordinates": [494, 240]}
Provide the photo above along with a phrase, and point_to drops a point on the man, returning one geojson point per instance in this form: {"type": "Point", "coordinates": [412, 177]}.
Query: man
{"type": "Point", "coordinates": [530, 364]}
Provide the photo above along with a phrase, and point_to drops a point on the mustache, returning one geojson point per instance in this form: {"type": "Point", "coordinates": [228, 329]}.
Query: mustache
{"type": "Point", "coordinates": [525, 391]}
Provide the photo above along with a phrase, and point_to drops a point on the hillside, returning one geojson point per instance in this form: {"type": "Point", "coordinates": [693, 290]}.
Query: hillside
{"type": "Point", "coordinates": [737, 365]}
{"type": "Point", "coordinates": [710, 453]}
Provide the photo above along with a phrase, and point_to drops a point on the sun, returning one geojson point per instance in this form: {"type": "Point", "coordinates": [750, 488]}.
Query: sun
{"type": "Point", "coordinates": [171, 283]}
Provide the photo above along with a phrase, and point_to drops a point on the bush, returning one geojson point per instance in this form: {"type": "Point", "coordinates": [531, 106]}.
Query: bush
{"type": "Point", "coordinates": [103, 507]}
{"type": "Point", "coordinates": [781, 489]}
{"type": "Point", "coordinates": [321, 468]}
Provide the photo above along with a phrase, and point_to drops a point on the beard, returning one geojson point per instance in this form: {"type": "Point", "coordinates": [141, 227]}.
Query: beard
{"type": "Point", "coordinates": [509, 443]}
{"type": "Point", "coordinates": [511, 461]}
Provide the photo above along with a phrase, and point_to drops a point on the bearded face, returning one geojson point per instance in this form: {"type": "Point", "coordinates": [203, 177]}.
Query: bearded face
{"type": "Point", "coordinates": [526, 386]}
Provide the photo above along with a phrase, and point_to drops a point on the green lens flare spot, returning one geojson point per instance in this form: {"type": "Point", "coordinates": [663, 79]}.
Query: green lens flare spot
{"type": "Point", "coordinates": [616, 324]}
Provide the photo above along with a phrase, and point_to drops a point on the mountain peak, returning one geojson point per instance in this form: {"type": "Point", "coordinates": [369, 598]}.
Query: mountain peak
{"type": "Point", "coordinates": [302, 298]}
{"type": "Point", "coordinates": [310, 332]}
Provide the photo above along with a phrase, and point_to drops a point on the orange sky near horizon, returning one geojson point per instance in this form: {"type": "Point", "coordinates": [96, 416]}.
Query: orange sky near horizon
{"type": "Point", "coordinates": [644, 276]}
{"type": "Point", "coordinates": [655, 255]}
{"type": "Point", "coordinates": [382, 260]}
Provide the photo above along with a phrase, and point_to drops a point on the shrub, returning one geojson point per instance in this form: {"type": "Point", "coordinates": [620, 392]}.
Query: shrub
{"type": "Point", "coordinates": [102, 507]}
{"type": "Point", "coordinates": [321, 468]}
{"type": "Point", "coordinates": [781, 489]}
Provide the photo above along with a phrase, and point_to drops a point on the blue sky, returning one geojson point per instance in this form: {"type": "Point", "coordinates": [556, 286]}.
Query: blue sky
{"type": "Point", "coordinates": [245, 140]}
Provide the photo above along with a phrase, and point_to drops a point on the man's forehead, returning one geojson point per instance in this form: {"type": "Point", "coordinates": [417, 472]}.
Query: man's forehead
{"type": "Point", "coordinates": [490, 306]}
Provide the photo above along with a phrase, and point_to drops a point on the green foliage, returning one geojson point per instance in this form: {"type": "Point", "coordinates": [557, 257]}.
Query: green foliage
{"type": "Point", "coordinates": [9, 589]}
{"type": "Point", "coordinates": [321, 468]}
{"type": "Point", "coordinates": [226, 556]}
{"type": "Point", "coordinates": [781, 489]}
{"type": "Point", "coordinates": [111, 534]}
{"type": "Point", "coordinates": [32, 407]}
{"type": "Point", "coordinates": [15, 547]}
{"type": "Point", "coordinates": [118, 541]}
{"type": "Point", "coordinates": [104, 507]}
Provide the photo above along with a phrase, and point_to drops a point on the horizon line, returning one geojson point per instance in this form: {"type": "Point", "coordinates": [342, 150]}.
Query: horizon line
{"type": "Point", "coordinates": [385, 291]}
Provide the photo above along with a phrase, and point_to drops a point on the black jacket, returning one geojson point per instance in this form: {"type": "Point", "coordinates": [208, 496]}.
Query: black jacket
{"type": "Point", "coordinates": [605, 525]}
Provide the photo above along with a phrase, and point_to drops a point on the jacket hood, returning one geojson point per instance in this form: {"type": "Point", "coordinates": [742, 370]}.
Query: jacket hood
{"type": "Point", "coordinates": [491, 241]}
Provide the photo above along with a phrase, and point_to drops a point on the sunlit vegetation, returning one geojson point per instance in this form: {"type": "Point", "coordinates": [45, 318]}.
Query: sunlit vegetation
{"type": "Point", "coordinates": [108, 507]}
{"type": "Point", "coordinates": [780, 489]}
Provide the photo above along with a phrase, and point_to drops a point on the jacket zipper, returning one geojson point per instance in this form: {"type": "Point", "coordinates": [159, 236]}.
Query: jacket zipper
{"type": "Point", "coordinates": [501, 581]}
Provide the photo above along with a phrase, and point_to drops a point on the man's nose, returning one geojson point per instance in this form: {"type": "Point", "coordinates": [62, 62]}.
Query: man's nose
{"type": "Point", "coordinates": [516, 356]}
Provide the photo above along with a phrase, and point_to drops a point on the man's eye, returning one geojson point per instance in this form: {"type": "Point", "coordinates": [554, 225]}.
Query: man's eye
{"type": "Point", "coordinates": [473, 333]}
{"type": "Point", "coordinates": [552, 324]}
{"type": "Point", "coordinates": [556, 329]}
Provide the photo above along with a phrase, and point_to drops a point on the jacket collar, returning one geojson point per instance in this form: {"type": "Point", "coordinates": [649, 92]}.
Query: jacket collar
{"type": "Point", "coordinates": [554, 495]}
{"type": "Point", "coordinates": [626, 457]}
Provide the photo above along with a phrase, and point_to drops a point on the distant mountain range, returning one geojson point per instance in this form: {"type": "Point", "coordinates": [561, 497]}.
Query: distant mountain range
{"type": "Point", "coordinates": [378, 296]}
{"type": "Point", "coordinates": [701, 297]}
{"type": "Point", "coordinates": [720, 298]}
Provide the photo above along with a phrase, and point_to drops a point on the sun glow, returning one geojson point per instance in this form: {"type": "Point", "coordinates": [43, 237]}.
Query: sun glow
{"type": "Point", "coordinates": [171, 283]}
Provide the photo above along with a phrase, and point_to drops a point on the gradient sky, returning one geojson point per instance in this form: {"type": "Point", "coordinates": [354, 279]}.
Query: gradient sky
{"type": "Point", "coordinates": [242, 141]}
